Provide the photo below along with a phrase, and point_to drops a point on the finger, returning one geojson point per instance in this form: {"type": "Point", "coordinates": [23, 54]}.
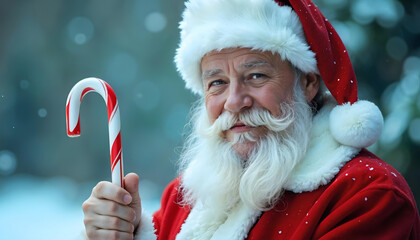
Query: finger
{"type": "Point", "coordinates": [100, 234]}
{"type": "Point", "coordinates": [131, 183]}
{"type": "Point", "coordinates": [110, 223]}
{"type": "Point", "coordinates": [110, 208]}
{"type": "Point", "coordinates": [110, 191]}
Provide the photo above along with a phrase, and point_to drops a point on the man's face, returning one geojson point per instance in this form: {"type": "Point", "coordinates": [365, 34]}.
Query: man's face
{"type": "Point", "coordinates": [240, 79]}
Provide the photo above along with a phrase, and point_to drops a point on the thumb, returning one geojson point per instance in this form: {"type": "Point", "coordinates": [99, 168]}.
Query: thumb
{"type": "Point", "coordinates": [131, 184]}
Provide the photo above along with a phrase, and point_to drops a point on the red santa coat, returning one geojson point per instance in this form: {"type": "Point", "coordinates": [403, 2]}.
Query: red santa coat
{"type": "Point", "coordinates": [368, 199]}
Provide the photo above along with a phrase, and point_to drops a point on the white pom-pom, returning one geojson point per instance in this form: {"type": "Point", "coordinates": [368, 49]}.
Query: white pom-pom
{"type": "Point", "coordinates": [358, 125]}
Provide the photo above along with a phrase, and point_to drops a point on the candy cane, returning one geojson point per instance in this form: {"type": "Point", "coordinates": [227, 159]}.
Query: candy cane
{"type": "Point", "coordinates": [114, 127]}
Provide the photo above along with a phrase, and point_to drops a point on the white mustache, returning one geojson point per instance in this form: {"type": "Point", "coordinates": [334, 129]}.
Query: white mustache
{"type": "Point", "coordinates": [252, 118]}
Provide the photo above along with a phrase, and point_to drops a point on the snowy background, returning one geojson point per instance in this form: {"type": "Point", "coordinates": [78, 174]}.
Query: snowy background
{"type": "Point", "coordinates": [34, 208]}
{"type": "Point", "coordinates": [46, 46]}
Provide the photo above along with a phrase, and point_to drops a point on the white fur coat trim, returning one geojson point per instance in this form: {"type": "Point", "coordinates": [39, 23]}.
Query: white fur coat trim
{"type": "Point", "coordinates": [201, 223]}
{"type": "Point", "coordinates": [146, 230]}
{"type": "Point", "coordinates": [210, 224]}
{"type": "Point", "coordinates": [238, 224]}
{"type": "Point", "coordinates": [324, 158]}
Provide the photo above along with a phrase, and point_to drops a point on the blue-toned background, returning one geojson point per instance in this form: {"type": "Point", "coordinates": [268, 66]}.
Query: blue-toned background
{"type": "Point", "coordinates": [46, 46]}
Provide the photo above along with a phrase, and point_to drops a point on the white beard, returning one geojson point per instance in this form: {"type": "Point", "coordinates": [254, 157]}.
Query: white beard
{"type": "Point", "coordinates": [219, 178]}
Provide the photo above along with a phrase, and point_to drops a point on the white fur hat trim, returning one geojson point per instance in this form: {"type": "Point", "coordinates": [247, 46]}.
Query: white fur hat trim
{"type": "Point", "coordinates": [357, 125]}
{"type": "Point", "coordinates": [256, 24]}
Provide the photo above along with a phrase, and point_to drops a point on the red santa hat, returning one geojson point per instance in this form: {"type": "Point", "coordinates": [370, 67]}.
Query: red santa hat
{"type": "Point", "coordinates": [295, 29]}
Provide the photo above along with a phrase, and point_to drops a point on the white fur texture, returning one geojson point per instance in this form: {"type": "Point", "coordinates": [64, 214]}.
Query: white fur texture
{"type": "Point", "coordinates": [207, 224]}
{"type": "Point", "coordinates": [201, 223]}
{"type": "Point", "coordinates": [238, 224]}
{"type": "Point", "coordinates": [358, 125]}
{"type": "Point", "coordinates": [324, 158]}
{"type": "Point", "coordinates": [146, 230]}
{"type": "Point", "coordinates": [257, 24]}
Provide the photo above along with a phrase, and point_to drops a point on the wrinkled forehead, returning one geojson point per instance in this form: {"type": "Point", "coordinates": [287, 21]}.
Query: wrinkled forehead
{"type": "Point", "coordinates": [241, 57]}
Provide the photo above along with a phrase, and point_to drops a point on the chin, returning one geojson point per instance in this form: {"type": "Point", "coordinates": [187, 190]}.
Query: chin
{"type": "Point", "coordinates": [244, 149]}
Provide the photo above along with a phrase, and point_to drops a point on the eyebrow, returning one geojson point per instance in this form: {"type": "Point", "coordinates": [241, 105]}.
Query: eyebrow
{"type": "Point", "coordinates": [253, 64]}
{"type": "Point", "coordinates": [210, 73]}
{"type": "Point", "coordinates": [246, 65]}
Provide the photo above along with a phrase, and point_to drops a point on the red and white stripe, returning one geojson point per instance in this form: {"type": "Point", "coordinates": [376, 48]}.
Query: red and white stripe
{"type": "Point", "coordinates": [73, 119]}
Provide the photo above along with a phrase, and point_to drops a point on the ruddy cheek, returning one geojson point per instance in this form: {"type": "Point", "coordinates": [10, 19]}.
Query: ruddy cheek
{"type": "Point", "coordinates": [208, 104]}
{"type": "Point", "coordinates": [214, 107]}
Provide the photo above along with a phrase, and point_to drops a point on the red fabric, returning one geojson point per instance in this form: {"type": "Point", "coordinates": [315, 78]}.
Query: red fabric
{"type": "Point", "coordinates": [368, 199]}
{"type": "Point", "coordinates": [333, 60]}
{"type": "Point", "coordinates": [282, 2]}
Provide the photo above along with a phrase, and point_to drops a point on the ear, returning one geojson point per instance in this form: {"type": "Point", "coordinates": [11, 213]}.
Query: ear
{"type": "Point", "coordinates": [310, 85]}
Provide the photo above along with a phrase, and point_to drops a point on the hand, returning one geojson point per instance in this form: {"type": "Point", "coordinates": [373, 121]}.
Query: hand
{"type": "Point", "coordinates": [112, 212]}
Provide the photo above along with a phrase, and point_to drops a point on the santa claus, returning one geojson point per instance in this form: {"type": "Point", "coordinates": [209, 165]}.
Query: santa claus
{"type": "Point", "coordinates": [277, 149]}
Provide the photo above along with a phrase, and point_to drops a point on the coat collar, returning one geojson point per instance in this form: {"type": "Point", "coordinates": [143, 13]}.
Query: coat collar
{"type": "Point", "coordinates": [203, 224]}
{"type": "Point", "coordinates": [324, 158]}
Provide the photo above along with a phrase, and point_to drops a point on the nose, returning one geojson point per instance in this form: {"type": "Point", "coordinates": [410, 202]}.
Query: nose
{"type": "Point", "coordinates": [238, 99]}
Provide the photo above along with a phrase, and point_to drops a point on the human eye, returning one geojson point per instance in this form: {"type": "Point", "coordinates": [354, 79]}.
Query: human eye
{"type": "Point", "coordinates": [257, 76]}
{"type": "Point", "coordinates": [216, 83]}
